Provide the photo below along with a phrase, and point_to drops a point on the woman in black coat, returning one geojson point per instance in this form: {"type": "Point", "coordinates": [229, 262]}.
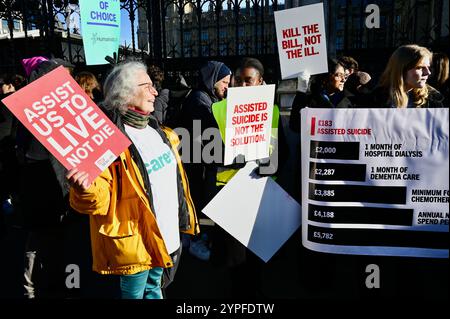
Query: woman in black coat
{"type": "Point", "coordinates": [326, 91]}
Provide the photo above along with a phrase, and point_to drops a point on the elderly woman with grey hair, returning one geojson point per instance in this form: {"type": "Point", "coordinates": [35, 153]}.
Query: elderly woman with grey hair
{"type": "Point", "coordinates": [139, 204]}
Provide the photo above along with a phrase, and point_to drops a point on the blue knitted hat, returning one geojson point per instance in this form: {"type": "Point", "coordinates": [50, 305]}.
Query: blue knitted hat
{"type": "Point", "coordinates": [223, 72]}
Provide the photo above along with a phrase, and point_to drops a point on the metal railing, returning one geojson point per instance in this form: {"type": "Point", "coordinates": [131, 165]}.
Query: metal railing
{"type": "Point", "coordinates": [195, 29]}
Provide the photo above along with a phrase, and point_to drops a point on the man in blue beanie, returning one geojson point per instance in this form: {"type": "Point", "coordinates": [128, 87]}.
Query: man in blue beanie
{"type": "Point", "coordinates": [213, 82]}
{"type": "Point", "coordinates": [223, 80]}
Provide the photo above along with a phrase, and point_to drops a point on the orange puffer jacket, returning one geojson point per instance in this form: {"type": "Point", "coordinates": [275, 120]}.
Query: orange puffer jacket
{"type": "Point", "coordinates": [125, 237]}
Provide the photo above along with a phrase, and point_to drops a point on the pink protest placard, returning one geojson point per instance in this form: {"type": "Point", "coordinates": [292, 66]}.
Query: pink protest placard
{"type": "Point", "coordinates": [57, 111]}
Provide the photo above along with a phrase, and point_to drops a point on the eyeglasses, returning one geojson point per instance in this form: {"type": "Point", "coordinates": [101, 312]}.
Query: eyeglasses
{"type": "Point", "coordinates": [341, 76]}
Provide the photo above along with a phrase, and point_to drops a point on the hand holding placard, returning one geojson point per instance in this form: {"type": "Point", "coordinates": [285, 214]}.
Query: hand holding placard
{"type": "Point", "coordinates": [303, 81]}
{"type": "Point", "coordinates": [78, 180]}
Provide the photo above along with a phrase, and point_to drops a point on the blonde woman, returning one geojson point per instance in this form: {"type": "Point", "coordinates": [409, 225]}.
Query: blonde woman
{"type": "Point", "coordinates": [403, 84]}
{"type": "Point", "coordinates": [404, 81]}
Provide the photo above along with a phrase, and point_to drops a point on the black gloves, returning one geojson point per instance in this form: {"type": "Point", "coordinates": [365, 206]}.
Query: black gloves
{"type": "Point", "coordinates": [265, 167]}
{"type": "Point", "coordinates": [238, 162]}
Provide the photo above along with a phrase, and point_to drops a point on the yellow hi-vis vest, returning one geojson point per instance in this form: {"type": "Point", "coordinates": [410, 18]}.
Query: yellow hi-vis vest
{"type": "Point", "coordinates": [219, 110]}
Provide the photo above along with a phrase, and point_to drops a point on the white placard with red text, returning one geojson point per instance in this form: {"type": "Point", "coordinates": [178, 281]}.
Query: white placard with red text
{"type": "Point", "coordinates": [301, 40]}
{"type": "Point", "coordinates": [57, 111]}
{"type": "Point", "coordinates": [249, 122]}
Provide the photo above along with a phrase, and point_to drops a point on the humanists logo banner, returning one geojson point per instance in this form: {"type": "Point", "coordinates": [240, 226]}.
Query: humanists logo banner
{"type": "Point", "coordinates": [100, 28]}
